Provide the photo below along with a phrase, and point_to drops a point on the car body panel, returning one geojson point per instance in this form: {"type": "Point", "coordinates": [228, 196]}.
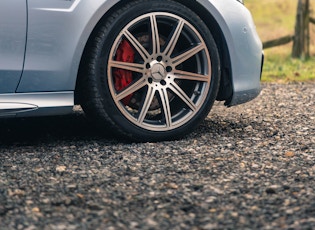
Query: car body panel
{"type": "Point", "coordinates": [57, 34]}
{"type": "Point", "coordinates": [58, 31]}
{"type": "Point", "coordinates": [30, 104]}
{"type": "Point", "coordinates": [244, 46]}
{"type": "Point", "coordinates": [12, 43]}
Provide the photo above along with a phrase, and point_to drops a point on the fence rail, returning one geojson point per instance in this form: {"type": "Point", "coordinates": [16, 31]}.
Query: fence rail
{"type": "Point", "coordinates": [278, 42]}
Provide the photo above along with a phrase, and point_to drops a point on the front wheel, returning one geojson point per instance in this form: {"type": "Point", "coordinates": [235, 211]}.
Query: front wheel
{"type": "Point", "coordinates": [152, 71]}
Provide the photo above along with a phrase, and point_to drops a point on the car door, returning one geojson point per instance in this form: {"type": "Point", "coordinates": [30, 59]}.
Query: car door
{"type": "Point", "coordinates": [13, 27]}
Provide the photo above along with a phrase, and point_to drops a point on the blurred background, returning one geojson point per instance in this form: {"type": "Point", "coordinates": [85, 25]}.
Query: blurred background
{"type": "Point", "coordinates": [277, 19]}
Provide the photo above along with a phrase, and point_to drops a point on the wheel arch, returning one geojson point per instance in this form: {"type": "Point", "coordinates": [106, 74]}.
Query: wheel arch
{"type": "Point", "coordinates": [225, 90]}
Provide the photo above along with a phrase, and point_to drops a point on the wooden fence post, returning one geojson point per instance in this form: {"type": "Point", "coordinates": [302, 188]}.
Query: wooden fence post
{"type": "Point", "coordinates": [301, 42]}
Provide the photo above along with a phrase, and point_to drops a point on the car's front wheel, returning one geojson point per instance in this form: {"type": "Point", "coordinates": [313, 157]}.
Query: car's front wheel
{"type": "Point", "coordinates": [151, 71]}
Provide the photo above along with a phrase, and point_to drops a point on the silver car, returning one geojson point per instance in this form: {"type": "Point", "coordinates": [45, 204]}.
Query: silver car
{"type": "Point", "coordinates": [149, 70]}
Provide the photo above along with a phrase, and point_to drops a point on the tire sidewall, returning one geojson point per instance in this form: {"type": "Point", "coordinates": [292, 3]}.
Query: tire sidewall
{"type": "Point", "coordinates": [113, 29]}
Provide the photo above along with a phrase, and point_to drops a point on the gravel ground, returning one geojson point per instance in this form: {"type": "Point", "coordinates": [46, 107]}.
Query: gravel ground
{"type": "Point", "coordinates": [245, 167]}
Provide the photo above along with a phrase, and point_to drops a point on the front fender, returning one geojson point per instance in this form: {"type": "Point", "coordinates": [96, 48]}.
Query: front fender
{"type": "Point", "coordinates": [57, 34]}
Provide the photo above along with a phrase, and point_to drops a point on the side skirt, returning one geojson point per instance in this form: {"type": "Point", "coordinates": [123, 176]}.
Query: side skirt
{"type": "Point", "coordinates": [36, 104]}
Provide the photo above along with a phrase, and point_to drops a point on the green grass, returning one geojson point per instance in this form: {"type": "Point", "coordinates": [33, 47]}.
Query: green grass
{"type": "Point", "coordinates": [282, 69]}
{"type": "Point", "coordinates": [274, 19]}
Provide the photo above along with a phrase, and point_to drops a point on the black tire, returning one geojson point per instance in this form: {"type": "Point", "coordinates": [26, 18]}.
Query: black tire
{"type": "Point", "coordinates": [168, 85]}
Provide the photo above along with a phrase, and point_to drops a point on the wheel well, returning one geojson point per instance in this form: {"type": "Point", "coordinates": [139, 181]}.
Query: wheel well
{"type": "Point", "coordinates": [225, 90]}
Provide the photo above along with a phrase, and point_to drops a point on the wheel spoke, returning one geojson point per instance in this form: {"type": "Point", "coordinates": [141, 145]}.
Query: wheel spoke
{"type": "Point", "coordinates": [146, 104]}
{"type": "Point", "coordinates": [173, 41]}
{"type": "Point", "coordinates": [183, 96]}
{"type": "Point", "coordinates": [188, 54]}
{"type": "Point", "coordinates": [131, 89]}
{"type": "Point", "coordinates": [136, 44]}
{"type": "Point", "coordinates": [167, 81]}
{"type": "Point", "coordinates": [184, 75]}
{"type": "Point", "coordinates": [139, 68]}
{"type": "Point", "coordinates": [166, 107]}
{"type": "Point", "coordinates": [155, 35]}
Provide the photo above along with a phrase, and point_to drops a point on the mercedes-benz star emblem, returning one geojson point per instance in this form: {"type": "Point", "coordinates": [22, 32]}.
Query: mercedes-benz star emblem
{"type": "Point", "coordinates": [158, 72]}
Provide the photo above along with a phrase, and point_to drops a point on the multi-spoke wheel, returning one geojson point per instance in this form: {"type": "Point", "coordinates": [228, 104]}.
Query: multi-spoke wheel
{"type": "Point", "coordinates": [153, 71]}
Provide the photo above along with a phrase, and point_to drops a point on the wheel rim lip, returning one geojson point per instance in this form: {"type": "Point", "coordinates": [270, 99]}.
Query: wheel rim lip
{"type": "Point", "coordinates": [181, 117]}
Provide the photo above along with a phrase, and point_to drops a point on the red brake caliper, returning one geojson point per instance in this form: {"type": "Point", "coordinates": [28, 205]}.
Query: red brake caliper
{"type": "Point", "coordinates": [123, 78]}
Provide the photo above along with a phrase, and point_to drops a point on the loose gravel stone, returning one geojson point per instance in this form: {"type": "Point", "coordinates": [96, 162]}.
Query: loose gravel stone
{"type": "Point", "coordinates": [246, 167]}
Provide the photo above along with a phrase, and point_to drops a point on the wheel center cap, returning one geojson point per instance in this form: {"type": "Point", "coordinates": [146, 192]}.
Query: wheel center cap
{"type": "Point", "coordinates": [158, 72]}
